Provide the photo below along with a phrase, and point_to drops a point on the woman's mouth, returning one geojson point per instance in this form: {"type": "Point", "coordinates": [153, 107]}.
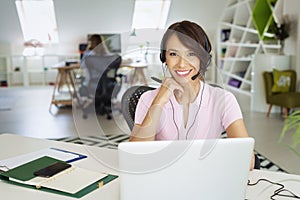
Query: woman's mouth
{"type": "Point", "coordinates": [183, 73]}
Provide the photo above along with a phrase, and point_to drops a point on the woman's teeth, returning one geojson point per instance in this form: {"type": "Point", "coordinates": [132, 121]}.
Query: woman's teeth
{"type": "Point", "coordinates": [183, 73]}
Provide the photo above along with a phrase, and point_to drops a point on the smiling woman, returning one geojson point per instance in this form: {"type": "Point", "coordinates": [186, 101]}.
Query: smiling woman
{"type": "Point", "coordinates": [184, 107]}
{"type": "Point", "coordinates": [185, 104]}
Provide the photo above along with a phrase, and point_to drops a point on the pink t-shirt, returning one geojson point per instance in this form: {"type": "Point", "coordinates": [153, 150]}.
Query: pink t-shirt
{"type": "Point", "coordinates": [209, 115]}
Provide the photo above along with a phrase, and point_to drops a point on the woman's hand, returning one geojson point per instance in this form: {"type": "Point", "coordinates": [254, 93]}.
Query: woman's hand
{"type": "Point", "coordinates": [146, 131]}
{"type": "Point", "coordinates": [168, 87]}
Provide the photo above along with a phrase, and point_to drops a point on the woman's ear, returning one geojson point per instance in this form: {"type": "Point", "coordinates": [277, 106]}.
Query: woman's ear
{"type": "Point", "coordinates": [167, 72]}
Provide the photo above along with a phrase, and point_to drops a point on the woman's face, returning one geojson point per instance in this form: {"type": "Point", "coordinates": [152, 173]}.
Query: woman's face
{"type": "Point", "coordinates": [182, 62]}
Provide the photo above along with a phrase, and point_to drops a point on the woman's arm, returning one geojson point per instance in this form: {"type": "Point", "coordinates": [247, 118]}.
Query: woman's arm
{"type": "Point", "coordinates": [147, 130]}
{"type": "Point", "coordinates": [237, 129]}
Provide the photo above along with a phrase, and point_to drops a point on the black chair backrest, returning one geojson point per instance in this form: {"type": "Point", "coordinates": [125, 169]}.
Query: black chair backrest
{"type": "Point", "coordinates": [129, 102]}
{"type": "Point", "coordinates": [99, 68]}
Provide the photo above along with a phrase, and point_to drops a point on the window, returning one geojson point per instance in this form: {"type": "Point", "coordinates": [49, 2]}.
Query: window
{"type": "Point", "coordinates": [37, 19]}
{"type": "Point", "coordinates": [150, 14]}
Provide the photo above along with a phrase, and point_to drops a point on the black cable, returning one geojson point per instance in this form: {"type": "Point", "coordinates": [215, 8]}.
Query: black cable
{"type": "Point", "coordinates": [174, 119]}
{"type": "Point", "coordinates": [278, 191]}
{"type": "Point", "coordinates": [163, 70]}
{"type": "Point", "coordinates": [194, 117]}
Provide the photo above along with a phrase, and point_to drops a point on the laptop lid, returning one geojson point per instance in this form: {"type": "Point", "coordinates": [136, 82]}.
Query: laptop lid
{"type": "Point", "coordinates": [186, 169]}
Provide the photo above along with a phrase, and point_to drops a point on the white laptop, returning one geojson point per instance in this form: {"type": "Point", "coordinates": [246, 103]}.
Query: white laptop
{"type": "Point", "coordinates": [179, 170]}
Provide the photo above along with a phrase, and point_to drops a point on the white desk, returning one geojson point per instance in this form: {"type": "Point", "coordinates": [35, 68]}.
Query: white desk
{"type": "Point", "coordinates": [12, 145]}
{"type": "Point", "coordinates": [138, 74]}
{"type": "Point", "coordinates": [65, 76]}
{"type": "Point", "coordinates": [264, 189]}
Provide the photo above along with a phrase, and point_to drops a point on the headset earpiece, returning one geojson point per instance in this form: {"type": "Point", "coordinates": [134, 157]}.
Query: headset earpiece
{"type": "Point", "coordinates": [162, 56]}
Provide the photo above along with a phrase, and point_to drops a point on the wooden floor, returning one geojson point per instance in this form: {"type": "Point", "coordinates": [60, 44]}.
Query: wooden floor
{"type": "Point", "coordinates": [29, 115]}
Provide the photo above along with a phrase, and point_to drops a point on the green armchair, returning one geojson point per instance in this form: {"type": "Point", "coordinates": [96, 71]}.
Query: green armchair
{"type": "Point", "coordinates": [286, 100]}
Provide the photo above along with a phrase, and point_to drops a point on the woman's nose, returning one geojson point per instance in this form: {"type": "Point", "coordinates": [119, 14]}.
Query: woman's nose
{"type": "Point", "coordinates": [182, 61]}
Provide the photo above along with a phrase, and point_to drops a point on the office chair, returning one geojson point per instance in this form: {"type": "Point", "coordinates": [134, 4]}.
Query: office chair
{"type": "Point", "coordinates": [129, 102]}
{"type": "Point", "coordinates": [286, 100]}
{"type": "Point", "coordinates": [103, 85]}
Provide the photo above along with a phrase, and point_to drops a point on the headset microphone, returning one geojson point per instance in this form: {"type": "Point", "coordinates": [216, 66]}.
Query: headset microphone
{"type": "Point", "coordinates": [196, 75]}
{"type": "Point", "coordinates": [202, 70]}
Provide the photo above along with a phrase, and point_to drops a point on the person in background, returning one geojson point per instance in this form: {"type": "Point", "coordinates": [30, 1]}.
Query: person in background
{"type": "Point", "coordinates": [185, 107]}
{"type": "Point", "coordinates": [96, 46]}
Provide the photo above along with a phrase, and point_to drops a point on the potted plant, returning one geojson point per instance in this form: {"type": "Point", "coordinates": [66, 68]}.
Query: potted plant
{"type": "Point", "coordinates": [292, 125]}
{"type": "Point", "coordinates": [281, 31]}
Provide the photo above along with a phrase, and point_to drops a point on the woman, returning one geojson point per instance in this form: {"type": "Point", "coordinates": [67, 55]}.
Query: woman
{"type": "Point", "coordinates": [184, 106]}
{"type": "Point", "coordinates": [96, 46]}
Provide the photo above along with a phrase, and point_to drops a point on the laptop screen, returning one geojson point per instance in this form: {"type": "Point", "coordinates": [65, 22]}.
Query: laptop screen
{"type": "Point", "coordinates": [186, 169]}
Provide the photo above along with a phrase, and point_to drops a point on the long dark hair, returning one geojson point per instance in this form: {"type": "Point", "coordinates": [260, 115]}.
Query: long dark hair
{"type": "Point", "coordinates": [97, 44]}
{"type": "Point", "coordinates": [190, 35]}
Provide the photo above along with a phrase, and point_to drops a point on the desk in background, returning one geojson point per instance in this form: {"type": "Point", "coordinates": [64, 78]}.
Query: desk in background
{"type": "Point", "coordinates": [64, 89]}
{"type": "Point", "coordinates": [138, 74]}
{"type": "Point", "coordinates": [110, 191]}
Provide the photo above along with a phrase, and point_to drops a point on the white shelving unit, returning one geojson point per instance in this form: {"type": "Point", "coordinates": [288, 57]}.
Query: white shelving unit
{"type": "Point", "coordinates": [238, 42]}
{"type": "Point", "coordinates": [33, 70]}
{"type": "Point", "coordinates": [3, 70]}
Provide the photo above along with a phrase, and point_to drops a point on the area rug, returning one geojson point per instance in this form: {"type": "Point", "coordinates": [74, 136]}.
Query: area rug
{"type": "Point", "coordinates": [112, 141]}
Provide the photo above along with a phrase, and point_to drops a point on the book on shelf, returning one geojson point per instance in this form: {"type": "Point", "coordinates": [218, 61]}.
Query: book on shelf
{"type": "Point", "coordinates": [225, 34]}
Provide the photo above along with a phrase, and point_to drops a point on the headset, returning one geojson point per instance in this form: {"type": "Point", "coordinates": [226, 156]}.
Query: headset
{"type": "Point", "coordinates": [203, 66]}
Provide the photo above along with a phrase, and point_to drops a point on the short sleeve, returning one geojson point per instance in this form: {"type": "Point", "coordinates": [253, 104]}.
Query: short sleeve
{"type": "Point", "coordinates": [143, 106]}
{"type": "Point", "coordinates": [232, 110]}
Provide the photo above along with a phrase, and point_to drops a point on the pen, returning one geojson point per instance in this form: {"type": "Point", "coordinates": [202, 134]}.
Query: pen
{"type": "Point", "coordinates": [156, 79]}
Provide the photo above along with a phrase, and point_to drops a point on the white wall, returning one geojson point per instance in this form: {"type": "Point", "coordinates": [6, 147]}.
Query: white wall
{"type": "Point", "coordinates": [292, 43]}
{"type": "Point", "coordinates": [77, 18]}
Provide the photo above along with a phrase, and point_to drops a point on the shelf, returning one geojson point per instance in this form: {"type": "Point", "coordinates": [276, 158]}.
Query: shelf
{"type": "Point", "coordinates": [244, 32]}
{"type": "Point", "coordinates": [237, 77]}
{"type": "Point", "coordinates": [33, 70]}
{"type": "Point", "coordinates": [245, 92]}
{"type": "Point", "coordinates": [271, 46]}
{"type": "Point", "coordinates": [238, 27]}
{"type": "Point", "coordinates": [250, 45]}
{"type": "Point", "coordinates": [237, 4]}
{"type": "Point", "coordinates": [3, 71]}
{"type": "Point", "coordinates": [236, 59]}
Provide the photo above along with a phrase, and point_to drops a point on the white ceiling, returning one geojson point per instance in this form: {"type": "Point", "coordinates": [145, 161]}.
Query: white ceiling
{"type": "Point", "coordinates": [77, 18]}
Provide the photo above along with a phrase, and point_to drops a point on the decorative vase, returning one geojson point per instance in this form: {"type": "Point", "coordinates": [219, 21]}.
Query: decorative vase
{"type": "Point", "coordinates": [281, 49]}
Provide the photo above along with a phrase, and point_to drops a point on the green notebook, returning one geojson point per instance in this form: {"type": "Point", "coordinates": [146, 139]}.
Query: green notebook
{"type": "Point", "coordinates": [25, 171]}
{"type": "Point", "coordinates": [74, 182]}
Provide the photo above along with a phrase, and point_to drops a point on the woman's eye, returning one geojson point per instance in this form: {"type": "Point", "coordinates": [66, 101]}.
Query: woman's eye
{"type": "Point", "coordinates": [191, 54]}
{"type": "Point", "coordinates": [172, 54]}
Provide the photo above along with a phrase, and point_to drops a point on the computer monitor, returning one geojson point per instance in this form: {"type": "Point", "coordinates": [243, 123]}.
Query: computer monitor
{"type": "Point", "coordinates": [112, 41]}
